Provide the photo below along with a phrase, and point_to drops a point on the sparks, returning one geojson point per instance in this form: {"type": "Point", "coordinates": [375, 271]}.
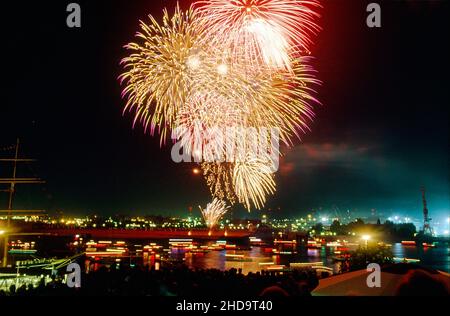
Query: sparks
{"type": "Point", "coordinates": [226, 65]}
{"type": "Point", "coordinates": [261, 31]}
{"type": "Point", "coordinates": [253, 181]}
{"type": "Point", "coordinates": [213, 212]}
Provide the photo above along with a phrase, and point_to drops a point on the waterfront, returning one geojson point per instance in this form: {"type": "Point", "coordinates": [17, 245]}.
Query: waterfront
{"type": "Point", "coordinates": [219, 259]}
{"type": "Point", "coordinates": [219, 254]}
{"type": "Point", "coordinates": [259, 259]}
{"type": "Point", "coordinates": [435, 258]}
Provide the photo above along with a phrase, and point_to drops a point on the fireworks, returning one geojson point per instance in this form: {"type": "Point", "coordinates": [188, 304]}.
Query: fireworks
{"type": "Point", "coordinates": [157, 79]}
{"type": "Point", "coordinates": [213, 212]}
{"type": "Point", "coordinates": [253, 181]}
{"type": "Point", "coordinates": [260, 31]}
{"type": "Point", "coordinates": [219, 178]}
{"type": "Point", "coordinates": [283, 100]}
{"type": "Point", "coordinates": [201, 123]}
{"type": "Point", "coordinates": [222, 79]}
{"type": "Point", "coordinates": [248, 181]}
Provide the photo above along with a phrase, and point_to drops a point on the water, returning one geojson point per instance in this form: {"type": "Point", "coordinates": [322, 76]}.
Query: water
{"type": "Point", "coordinates": [217, 259]}
{"type": "Point", "coordinates": [436, 258]}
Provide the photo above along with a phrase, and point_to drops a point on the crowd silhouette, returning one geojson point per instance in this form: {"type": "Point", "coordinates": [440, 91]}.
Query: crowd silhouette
{"type": "Point", "coordinates": [178, 281]}
{"type": "Point", "coordinates": [185, 282]}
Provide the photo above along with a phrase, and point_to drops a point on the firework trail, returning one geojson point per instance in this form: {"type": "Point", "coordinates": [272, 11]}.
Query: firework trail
{"type": "Point", "coordinates": [253, 180]}
{"type": "Point", "coordinates": [213, 212]}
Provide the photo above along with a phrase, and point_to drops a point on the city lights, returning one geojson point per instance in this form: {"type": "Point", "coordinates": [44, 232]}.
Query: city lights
{"type": "Point", "coordinates": [366, 239]}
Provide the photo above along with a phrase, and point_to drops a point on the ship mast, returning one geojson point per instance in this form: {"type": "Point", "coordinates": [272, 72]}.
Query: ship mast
{"type": "Point", "coordinates": [13, 181]}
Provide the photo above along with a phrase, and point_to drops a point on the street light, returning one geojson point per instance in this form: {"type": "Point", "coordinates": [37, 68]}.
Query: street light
{"type": "Point", "coordinates": [366, 238]}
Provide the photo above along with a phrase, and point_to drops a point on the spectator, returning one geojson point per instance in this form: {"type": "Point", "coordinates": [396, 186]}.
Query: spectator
{"type": "Point", "coordinates": [422, 283]}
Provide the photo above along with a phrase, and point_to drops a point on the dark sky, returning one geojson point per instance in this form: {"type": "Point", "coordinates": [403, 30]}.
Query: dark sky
{"type": "Point", "coordinates": [380, 134]}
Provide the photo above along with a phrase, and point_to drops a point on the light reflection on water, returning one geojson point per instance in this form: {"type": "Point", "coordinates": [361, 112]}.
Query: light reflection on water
{"type": "Point", "coordinates": [217, 259]}
{"type": "Point", "coordinates": [436, 258]}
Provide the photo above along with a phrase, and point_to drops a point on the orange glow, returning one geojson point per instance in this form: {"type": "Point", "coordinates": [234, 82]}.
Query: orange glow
{"type": "Point", "coordinates": [196, 171]}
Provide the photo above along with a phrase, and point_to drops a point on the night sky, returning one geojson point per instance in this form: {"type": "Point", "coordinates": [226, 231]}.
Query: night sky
{"type": "Point", "coordinates": [381, 132]}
